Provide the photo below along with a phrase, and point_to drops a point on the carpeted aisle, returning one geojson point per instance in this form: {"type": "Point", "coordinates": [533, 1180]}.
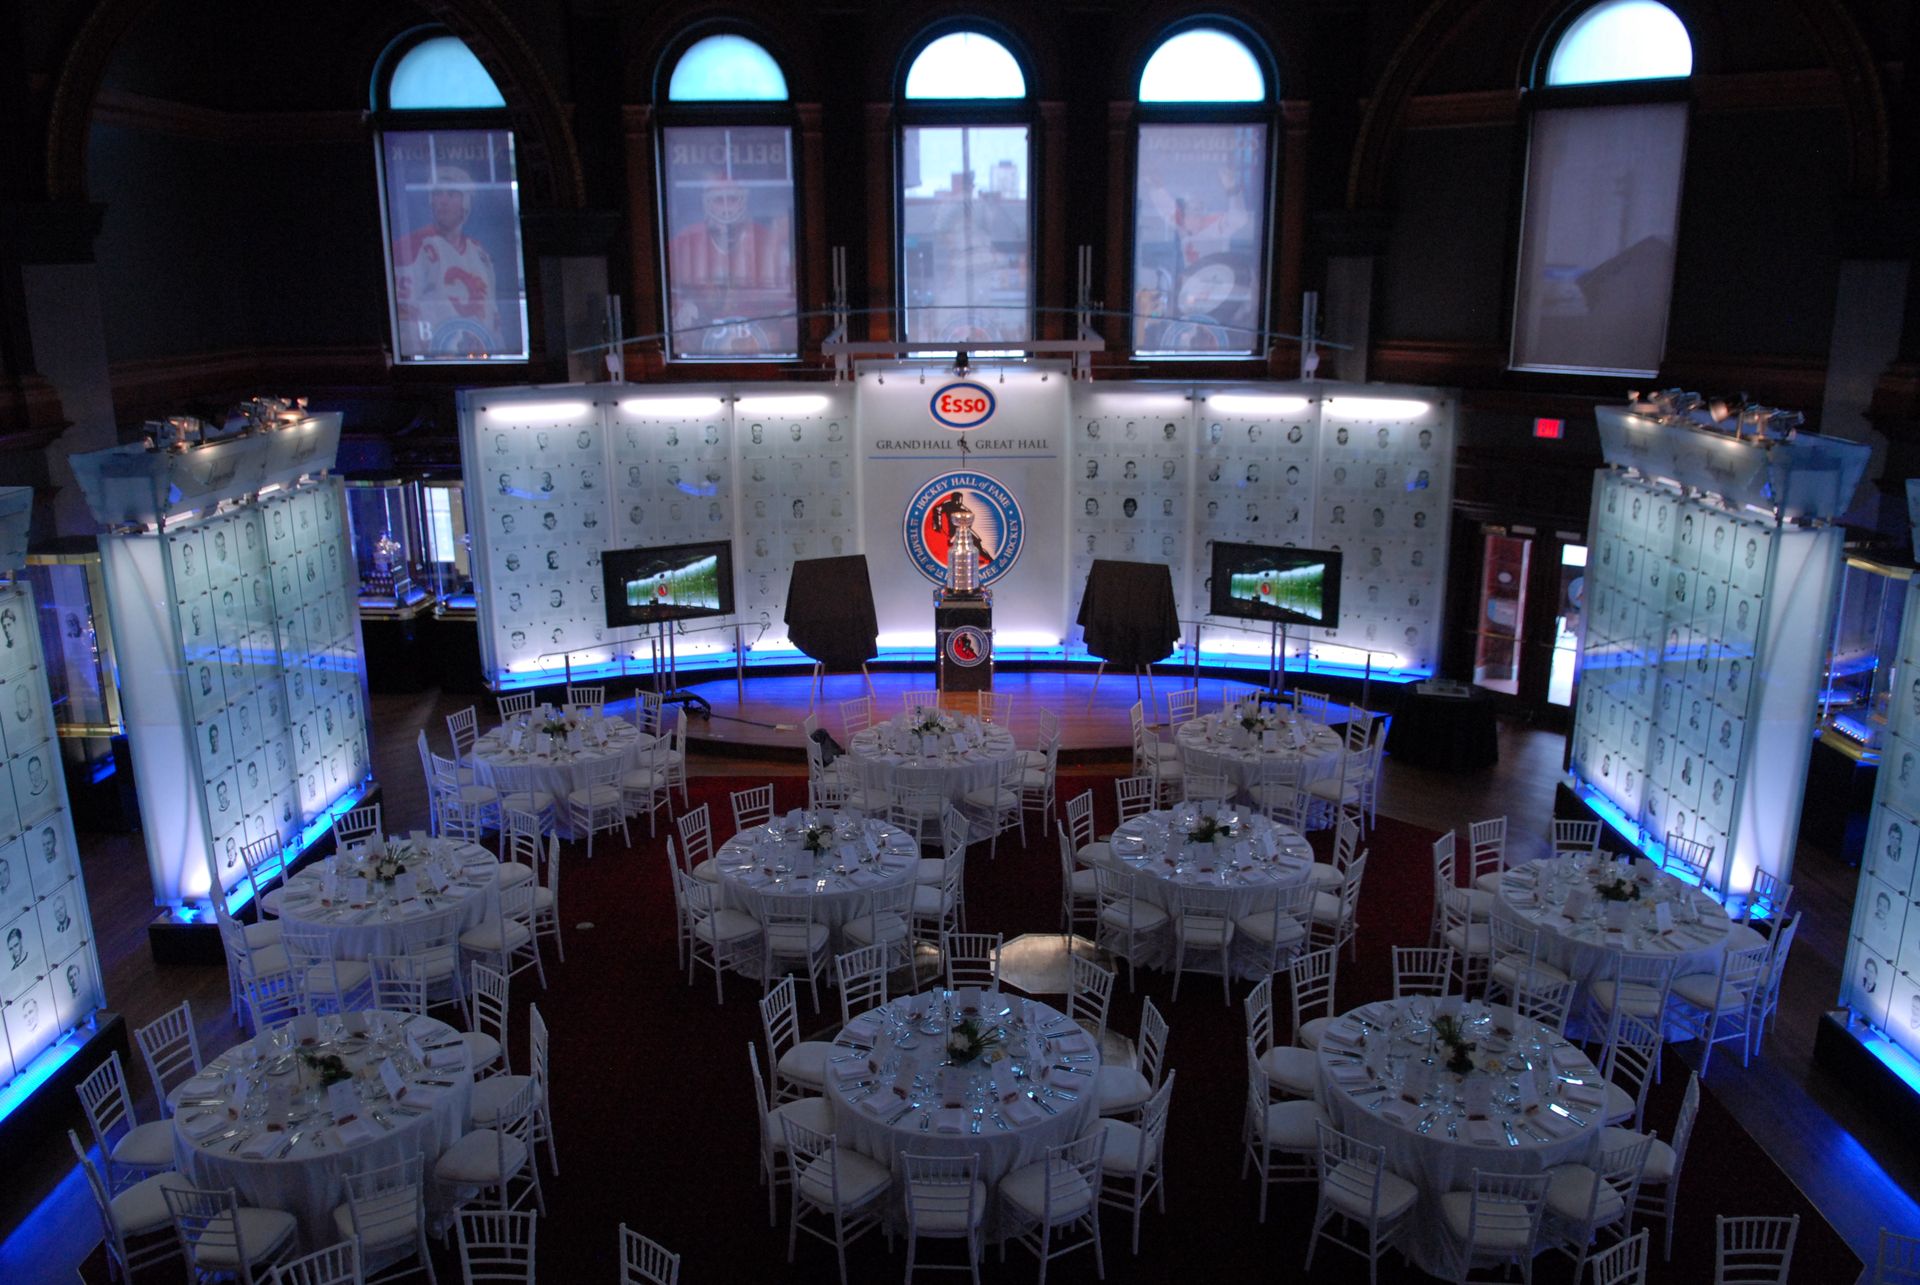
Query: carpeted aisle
{"type": "Point", "coordinates": [656, 1126]}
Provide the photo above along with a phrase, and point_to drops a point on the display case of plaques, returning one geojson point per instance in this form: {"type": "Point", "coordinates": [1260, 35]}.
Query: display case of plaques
{"type": "Point", "coordinates": [1860, 664]}
{"type": "Point", "coordinates": [1703, 646]}
{"type": "Point", "coordinates": [384, 516]}
{"type": "Point", "coordinates": [242, 672]}
{"type": "Point", "coordinates": [50, 978]}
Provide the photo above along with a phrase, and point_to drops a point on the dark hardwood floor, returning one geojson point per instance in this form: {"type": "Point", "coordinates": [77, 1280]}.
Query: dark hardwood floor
{"type": "Point", "coordinates": [1856, 1169]}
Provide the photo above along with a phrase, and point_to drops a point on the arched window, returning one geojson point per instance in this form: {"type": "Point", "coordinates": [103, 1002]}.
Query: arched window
{"type": "Point", "coordinates": [726, 203]}
{"type": "Point", "coordinates": [1606, 152]}
{"type": "Point", "coordinates": [1200, 197]}
{"type": "Point", "coordinates": [456, 277]}
{"type": "Point", "coordinates": [966, 223]}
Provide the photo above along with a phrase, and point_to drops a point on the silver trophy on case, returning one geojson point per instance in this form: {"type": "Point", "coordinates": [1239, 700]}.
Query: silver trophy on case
{"type": "Point", "coordinates": [963, 555]}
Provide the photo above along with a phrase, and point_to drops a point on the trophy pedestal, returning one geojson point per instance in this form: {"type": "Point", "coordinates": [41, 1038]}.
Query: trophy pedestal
{"type": "Point", "coordinates": [963, 633]}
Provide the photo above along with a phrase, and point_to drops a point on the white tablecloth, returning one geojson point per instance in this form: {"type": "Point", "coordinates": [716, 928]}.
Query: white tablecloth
{"type": "Point", "coordinates": [1589, 951]}
{"type": "Point", "coordinates": [554, 771]}
{"type": "Point", "coordinates": [881, 768]}
{"type": "Point", "coordinates": [1248, 874]}
{"type": "Point", "coordinates": [1363, 1064]}
{"type": "Point", "coordinates": [309, 1182]}
{"type": "Point", "coordinates": [1211, 746]}
{"type": "Point", "coordinates": [755, 866]}
{"type": "Point", "coordinates": [1064, 1106]}
{"type": "Point", "coordinates": [363, 925]}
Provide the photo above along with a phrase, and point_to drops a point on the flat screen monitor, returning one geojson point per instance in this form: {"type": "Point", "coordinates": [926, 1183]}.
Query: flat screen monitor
{"type": "Point", "coordinates": [1263, 582]}
{"type": "Point", "coordinates": [668, 582]}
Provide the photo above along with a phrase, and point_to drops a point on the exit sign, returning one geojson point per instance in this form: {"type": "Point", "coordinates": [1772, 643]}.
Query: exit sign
{"type": "Point", "coordinates": [1551, 429]}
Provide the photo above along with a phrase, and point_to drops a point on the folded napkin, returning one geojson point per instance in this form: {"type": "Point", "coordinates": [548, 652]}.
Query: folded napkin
{"type": "Point", "coordinates": [418, 1095]}
{"type": "Point", "coordinates": [864, 1027]}
{"type": "Point", "coordinates": [862, 876]}
{"type": "Point", "coordinates": [845, 1073]}
{"type": "Point", "coordinates": [200, 1086]}
{"type": "Point", "coordinates": [1557, 1125]}
{"type": "Point", "coordinates": [1400, 1111]}
{"type": "Point", "coordinates": [1074, 1042]}
{"type": "Point", "coordinates": [441, 1059]}
{"type": "Point", "coordinates": [263, 1144]}
{"type": "Point", "coordinates": [1583, 1095]}
{"type": "Point", "coordinates": [950, 1120]}
{"type": "Point", "coordinates": [1020, 1110]}
{"type": "Point", "coordinates": [1377, 1012]}
{"type": "Point", "coordinates": [1344, 1036]}
{"type": "Point", "coordinates": [879, 1105]}
{"type": "Point", "coordinates": [213, 1120]}
{"type": "Point", "coordinates": [356, 1129]}
{"type": "Point", "coordinates": [1348, 1073]}
{"type": "Point", "coordinates": [1482, 1133]}
{"type": "Point", "coordinates": [1569, 1059]}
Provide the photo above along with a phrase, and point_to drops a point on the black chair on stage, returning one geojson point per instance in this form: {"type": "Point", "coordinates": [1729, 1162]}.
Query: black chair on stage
{"type": "Point", "coordinates": [830, 618]}
{"type": "Point", "coordinates": [1128, 617]}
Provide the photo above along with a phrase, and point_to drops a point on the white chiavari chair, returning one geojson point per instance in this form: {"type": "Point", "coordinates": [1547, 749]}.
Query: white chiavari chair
{"type": "Point", "coordinates": [1496, 1222]}
{"type": "Point", "coordinates": [496, 1247]}
{"type": "Point", "coordinates": [385, 1217]}
{"type": "Point", "coordinates": [597, 804]}
{"type": "Point", "coordinates": [1122, 1088]}
{"type": "Point", "coordinates": [861, 976]}
{"type": "Point", "coordinates": [337, 1264]}
{"type": "Point", "coordinates": [1282, 1139]}
{"type": "Point", "coordinates": [219, 1237]}
{"type": "Point", "coordinates": [1422, 970]}
{"type": "Point", "coordinates": [1363, 1205]}
{"type": "Point", "coordinates": [1127, 921]}
{"type": "Point", "coordinates": [1586, 1202]}
{"type": "Point", "coordinates": [170, 1046]}
{"type": "Point", "coordinates": [492, 1160]}
{"type": "Point", "coordinates": [645, 1261]}
{"type": "Point", "coordinates": [1133, 1162]}
{"type": "Point", "coordinates": [945, 1200]}
{"type": "Point", "coordinates": [1089, 995]}
{"type": "Point", "coordinates": [718, 937]}
{"type": "Point", "coordinates": [1044, 1204]}
{"type": "Point", "coordinates": [837, 1194]}
{"type": "Point", "coordinates": [1753, 1250]}
{"type": "Point", "coordinates": [135, 1227]}
{"type": "Point", "coordinates": [1288, 1069]}
{"type": "Point", "coordinates": [809, 1111]}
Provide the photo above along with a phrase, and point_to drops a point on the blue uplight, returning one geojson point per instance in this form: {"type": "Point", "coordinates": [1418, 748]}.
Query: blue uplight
{"type": "Point", "coordinates": [243, 892]}
{"type": "Point", "coordinates": [51, 1059]}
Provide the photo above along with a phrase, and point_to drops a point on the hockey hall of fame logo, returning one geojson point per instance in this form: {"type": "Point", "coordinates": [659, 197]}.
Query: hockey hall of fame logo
{"type": "Point", "coordinates": [998, 524]}
{"type": "Point", "coordinates": [966, 647]}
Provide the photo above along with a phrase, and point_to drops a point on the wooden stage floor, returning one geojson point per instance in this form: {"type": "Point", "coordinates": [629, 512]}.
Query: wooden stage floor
{"type": "Point", "coordinates": [1093, 724]}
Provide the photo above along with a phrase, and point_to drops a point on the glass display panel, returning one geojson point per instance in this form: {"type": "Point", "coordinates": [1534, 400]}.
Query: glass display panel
{"type": "Point", "coordinates": [966, 233]}
{"type": "Point", "coordinates": [728, 193]}
{"type": "Point", "coordinates": [1199, 238]}
{"type": "Point", "coordinates": [457, 277]}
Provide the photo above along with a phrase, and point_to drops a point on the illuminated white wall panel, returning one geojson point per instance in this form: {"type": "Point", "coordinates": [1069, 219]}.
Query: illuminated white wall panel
{"type": "Point", "coordinates": [1066, 472]}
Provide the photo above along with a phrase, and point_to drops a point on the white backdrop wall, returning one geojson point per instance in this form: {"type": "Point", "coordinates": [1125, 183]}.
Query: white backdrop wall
{"type": "Point", "coordinates": [1701, 653]}
{"type": "Point", "coordinates": [50, 979]}
{"type": "Point", "coordinates": [1065, 471]}
{"type": "Point", "coordinates": [242, 680]}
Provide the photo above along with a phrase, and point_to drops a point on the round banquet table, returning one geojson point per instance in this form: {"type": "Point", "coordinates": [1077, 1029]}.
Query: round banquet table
{"type": "Point", "coordinates": [553, 769]}
{"type": "Point", "coordinates": [458, 889]}
{"type": "Point", "coordinates": [1211, 745]}
{"type": "Point", "coordinates": [890, 1093]}
{"type": "Point", "coordinates": [1545, 1109]}
{"type": "Point", "coordinates": [1587, 949]}
{"type": "Point", "coordinates": [286, 1150]}
{"type": "Point", "coordinates": [1248, 870]}
{"type": "Point", "coordinates": [765, 862]}
{"type": "Point", "coordinates": [887, 760]}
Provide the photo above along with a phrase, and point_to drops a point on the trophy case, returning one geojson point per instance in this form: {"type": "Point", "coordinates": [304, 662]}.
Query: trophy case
{"type": "Point", "coordinates": [386, 520]}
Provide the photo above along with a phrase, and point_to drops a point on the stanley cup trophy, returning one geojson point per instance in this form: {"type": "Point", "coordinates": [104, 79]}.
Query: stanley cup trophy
{"type": "Point", "coordinates": [963, 612]}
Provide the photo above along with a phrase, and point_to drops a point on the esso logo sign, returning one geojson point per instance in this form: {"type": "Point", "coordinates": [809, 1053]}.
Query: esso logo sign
{"type": "Point", "coordinates": [963, 405]}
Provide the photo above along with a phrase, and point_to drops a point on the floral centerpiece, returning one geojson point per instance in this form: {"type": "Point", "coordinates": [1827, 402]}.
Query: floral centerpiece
{"type": "Point", "coordinates": [559, 726]}
{"type": "Point", "coordinates": [1207, 829]}
{"type": "Point", "coordinates": [328, 1068]}
{"type": "Point", "coordinates": [816, 838]}
{"type": "Point", "coordinates": [382, 865]}
{"type": "Point", "coordinates": [1616, 888]}
{"type": "Point", "coordinates": [1452, 1036]}
{"type": "Point", "coordinates": [928, 720]}
{"type": "Point", "coordinates": [1255, 717]}
{"type": "Point", "coordinates": [969, 1041]}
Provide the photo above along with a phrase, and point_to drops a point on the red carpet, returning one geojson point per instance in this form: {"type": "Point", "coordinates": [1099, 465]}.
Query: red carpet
{"type": "Point", "coordinates": [656, 1126]}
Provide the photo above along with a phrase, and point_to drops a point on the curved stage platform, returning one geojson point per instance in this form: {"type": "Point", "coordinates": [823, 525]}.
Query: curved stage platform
{"type": "Point", "coordinates": [1093, 724]}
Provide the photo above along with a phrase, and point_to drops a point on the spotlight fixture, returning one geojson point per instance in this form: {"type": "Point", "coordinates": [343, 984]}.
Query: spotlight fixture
{"type": "Point", "coordinates": [960, 363]}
